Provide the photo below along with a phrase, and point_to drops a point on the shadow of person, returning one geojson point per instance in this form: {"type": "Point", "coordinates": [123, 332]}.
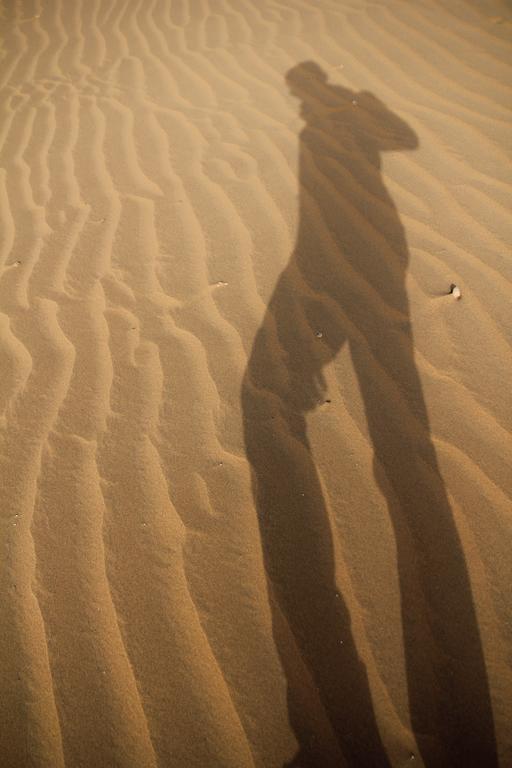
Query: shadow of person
{"type": "Point", "coordinates": [345, 284]}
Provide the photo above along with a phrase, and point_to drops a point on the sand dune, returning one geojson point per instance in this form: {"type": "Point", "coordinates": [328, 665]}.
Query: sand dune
{"type": "Point", "coordinates": [255, 457]}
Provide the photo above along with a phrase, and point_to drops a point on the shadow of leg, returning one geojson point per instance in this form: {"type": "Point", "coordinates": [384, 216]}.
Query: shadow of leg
{"type": "Point", "coordinates": [298, 551]}
{"type": "Point", "coordinates": [449, 699]}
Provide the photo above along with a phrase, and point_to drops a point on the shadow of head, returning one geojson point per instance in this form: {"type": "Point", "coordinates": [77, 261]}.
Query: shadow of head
{"type": "Point", "coordinates": [308, 80]}
{"type": "Point", "coordinates": [362, 112]}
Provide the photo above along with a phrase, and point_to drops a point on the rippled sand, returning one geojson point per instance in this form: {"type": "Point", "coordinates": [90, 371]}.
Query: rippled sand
{"type": "Point", "coordinates": [255, 456]}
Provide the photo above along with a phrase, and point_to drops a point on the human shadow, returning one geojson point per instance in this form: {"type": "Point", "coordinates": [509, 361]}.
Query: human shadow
{"type": "Point", "coordinates": [345, 284]}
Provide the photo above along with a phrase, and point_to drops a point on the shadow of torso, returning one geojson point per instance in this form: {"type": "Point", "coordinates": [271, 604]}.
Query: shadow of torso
{"type": "Point", "coordinates": [350, 254]}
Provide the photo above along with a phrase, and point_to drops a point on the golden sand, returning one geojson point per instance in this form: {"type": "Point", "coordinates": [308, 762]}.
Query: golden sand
{"type": "Point", "coordinates": [255, 459]}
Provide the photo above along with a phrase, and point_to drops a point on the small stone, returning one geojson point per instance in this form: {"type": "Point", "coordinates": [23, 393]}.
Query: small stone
{"type": "Point", "coordinates": [319, 334]}
{"type": "Point", "coordinates": [455, 291]}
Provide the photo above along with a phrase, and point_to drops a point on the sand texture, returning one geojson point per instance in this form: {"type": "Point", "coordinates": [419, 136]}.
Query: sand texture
{"type": "Point", "coordinates": [255, 457]}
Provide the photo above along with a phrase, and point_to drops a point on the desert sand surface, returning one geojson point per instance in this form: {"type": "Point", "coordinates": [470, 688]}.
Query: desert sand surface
{"type": "Point", "coordinates": [255, 459]}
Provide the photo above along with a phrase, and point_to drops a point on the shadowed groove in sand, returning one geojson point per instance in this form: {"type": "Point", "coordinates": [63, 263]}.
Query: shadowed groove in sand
{"type": "Point", "coordinates": [308, 320]}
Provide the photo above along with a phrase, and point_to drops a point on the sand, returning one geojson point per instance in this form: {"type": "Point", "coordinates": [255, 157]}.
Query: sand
{"type": "Point", "coordinates": [255, 455]}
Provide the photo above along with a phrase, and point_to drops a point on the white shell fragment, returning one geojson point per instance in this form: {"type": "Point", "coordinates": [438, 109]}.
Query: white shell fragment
{"type": "Point", "coordinates": [455, 291]}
